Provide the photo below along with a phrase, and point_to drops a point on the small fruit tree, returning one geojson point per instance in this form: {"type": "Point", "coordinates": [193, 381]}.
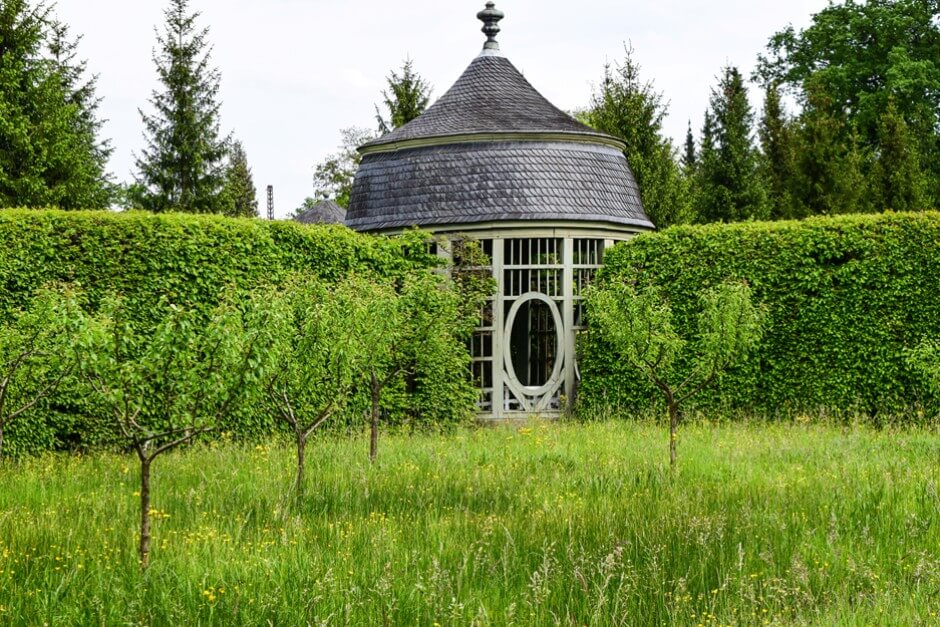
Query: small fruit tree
{"type": "Point", "coordinates": [168, 383]}
{"type": "Point", "coordinates": [323, 338]}
{"type": "Point", "coordinates": [637, 324]}
{"type": "Point", "coordinates": [34, 355]}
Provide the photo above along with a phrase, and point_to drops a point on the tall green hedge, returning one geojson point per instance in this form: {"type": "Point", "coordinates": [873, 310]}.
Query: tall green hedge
{"type": "Point", "coordinates": [845, 296]}
{"type": "Point", "coordinates": [187, 259]}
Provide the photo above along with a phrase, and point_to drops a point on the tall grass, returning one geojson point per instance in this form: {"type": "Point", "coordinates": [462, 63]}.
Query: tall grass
{"type": "Point", "coordinates": [542, 524]}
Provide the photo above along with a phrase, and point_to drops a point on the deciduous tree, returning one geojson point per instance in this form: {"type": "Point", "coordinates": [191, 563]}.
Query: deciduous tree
{"type": "Point", "coordinates": [423, 342]}
{"type": "Point", "coordinates": [638, 325]}
{"type": "Point", "coordinates": [323, 339]}
{"type": "Point", "coordinates": [864, 55]}
{"type": "Point", "coordinates": [167, 384]}
{"type": "Point", "coordinates": [34, 352]}
{"type": "Point", "coordinates": [333, 178]}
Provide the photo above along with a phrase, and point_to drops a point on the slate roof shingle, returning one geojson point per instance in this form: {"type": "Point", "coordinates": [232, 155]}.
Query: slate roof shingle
{"type": "Point", "coordinates": [491, 96]}
{"type": "Point", "coordinates": [324, 212]}
{"type": "Point", "coordinates": [493, 149]}
{"type": "Point", "coordinates": [483, 182]}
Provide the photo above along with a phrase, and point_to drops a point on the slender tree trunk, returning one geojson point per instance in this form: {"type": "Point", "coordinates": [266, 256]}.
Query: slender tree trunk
{"type": "Point", "coordinates": [1, 441]}
{"type": "Point", "coordinates": [673, 426]}
{"type": "Point", "coordinates": [301, 462]}
{"type": "Point", "coordinates": [144, 514]}
{"type": "Point", "coordinates": [374, 440]}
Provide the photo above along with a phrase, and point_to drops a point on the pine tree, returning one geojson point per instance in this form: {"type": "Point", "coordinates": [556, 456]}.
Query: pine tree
{"type": "Point", "coordinates": [689, 158]}
{"type": "Point", "coordinates": [241, 197]}
{"type": "Point", "coordinates": [829, 163]}
{"type": "Point", "coordinates": [182, 168]}
{"type": "Point", "coordinates": [898, 182]}
{"type": "Point", "coordinates": [776, 142]}
{"type": "Point", "coordinates": [632, 110]}
{"type": "Point", "coordinates": [730, 186]}
{"type": "Point", "coordinates": [408, 99]}
{"type": "Point", "coordinates": [51, 154]}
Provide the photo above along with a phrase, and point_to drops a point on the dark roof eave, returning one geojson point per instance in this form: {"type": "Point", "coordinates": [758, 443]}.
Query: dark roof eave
{"type": "Point", "coordinates": [368, 225]}
{"type": "Point", "coordinates": [490, 136]}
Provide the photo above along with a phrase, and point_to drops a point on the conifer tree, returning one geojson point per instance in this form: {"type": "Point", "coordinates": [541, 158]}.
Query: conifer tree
{"type": "Point", "coordinates": [689, 158]}
{"type": "Point", "coordinates": [829, 163]}
{"type": "Point", "coordinates": [730, 186]}
{"type": "Point", "coordinates": [241, 196]}
{"type": "Point", "coordinates": [776, 142]}
{"type": "Point", "coordinates": [182, 168]}
{"type": "Point", "coordinates": [632, 110]}
{"type": "Point", "coordinates": [898, 181]}
{"type": "Point", "coordinates": [864, 54]}
{"type": "Point", "coordinates": [405, 99]}
{"type": "Point", "coordinates": [81, 92]}
{"type": "Point", "coordinates": [51, 154]}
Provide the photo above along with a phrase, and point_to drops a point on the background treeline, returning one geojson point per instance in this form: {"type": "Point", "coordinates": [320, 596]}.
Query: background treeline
{"type": "Point", "coordinates": [848, 300]}
{"type": "Point", "coordinates": [151, 262]}
{"type": "Point", "coordinates": [850, 123]}
{"type": "Point", "coordinates": [51, 150]}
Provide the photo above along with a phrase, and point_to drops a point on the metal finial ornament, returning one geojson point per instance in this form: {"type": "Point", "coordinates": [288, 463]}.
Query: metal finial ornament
{"type": "Point", "coordinates": [490, 16]}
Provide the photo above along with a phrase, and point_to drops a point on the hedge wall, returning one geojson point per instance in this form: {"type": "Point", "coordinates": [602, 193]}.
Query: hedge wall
{"type": "Point", "coordinates": [188, 259]}
{"type": "Point", "coordinates": [845, 297]}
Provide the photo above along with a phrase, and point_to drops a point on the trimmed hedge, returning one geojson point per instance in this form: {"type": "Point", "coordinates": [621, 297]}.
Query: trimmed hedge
{"type": "Point", "coordinates": [188, 259]}
{"type": "Point", "coordinates": [845, 297]}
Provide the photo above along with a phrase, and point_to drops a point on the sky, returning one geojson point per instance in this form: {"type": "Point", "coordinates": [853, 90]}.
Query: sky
{"type": "Point", "coordinates": [295, 72]}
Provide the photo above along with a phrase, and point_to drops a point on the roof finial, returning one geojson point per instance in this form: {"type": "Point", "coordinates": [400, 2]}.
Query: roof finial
{"type": "Point", "coordinates": [490, 17]}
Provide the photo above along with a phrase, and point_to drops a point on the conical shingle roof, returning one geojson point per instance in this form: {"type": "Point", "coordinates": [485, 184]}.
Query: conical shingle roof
{"type": "Point", "coordinates": [491, 96]}
{"type": "Point", "coordinates": [493, 149]}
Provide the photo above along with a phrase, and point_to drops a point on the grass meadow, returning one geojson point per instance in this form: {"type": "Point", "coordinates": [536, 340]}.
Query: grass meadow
{"type": "Point", "coordinates": [565, 524]}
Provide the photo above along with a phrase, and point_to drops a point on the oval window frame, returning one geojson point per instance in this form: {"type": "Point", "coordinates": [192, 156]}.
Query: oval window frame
{"type": "Point", "coordinates": [555, 379]}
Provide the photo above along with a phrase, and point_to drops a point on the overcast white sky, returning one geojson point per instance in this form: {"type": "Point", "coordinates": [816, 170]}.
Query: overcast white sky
{"type": "Point", "coordinates": [294, 72]}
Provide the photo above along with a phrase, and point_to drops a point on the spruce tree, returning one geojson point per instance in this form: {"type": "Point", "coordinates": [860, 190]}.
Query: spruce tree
{"type": "Point", "coordinates": [776, 142]}
{"type": "Point", "coordinates": [632, 110]}
{"type": "Point", "coordinates": [689, 158]}
{"type": "Point", "coordinates": [182, 168]}
{"type": "Point", "coordinates": [730, 186]}
{"type": "Point", "coordinates": [829, 162]}
{"type": "Point", "coordinates": [898, 181]}
{"type": "Point", "coordinates": [405, 99]}
{"type": "Point", "coordinates": [50, 154]}
{"type": "Point", "coordinates": [241, 197]}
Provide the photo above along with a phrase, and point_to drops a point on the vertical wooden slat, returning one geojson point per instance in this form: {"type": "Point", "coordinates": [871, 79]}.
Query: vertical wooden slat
{"type": "Point", "coordinates": [567, 317]}
{"type": "Point", "coordinates": [499, 326]}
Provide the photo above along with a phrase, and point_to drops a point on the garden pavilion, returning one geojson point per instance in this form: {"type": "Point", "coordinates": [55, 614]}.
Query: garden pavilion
{"type": "Point", "coordinates": [544, 195]}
